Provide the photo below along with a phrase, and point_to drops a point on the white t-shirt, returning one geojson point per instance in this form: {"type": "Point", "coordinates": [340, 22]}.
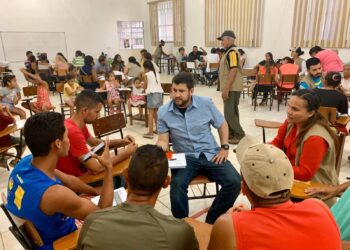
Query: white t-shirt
{"type": "Point", "coordinates": [153, 84]}
{"type": "Point", "coordinates": [212, 58]}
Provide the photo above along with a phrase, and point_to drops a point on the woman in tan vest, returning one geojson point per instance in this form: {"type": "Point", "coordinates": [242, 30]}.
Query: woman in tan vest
{"type": "Point", "coordinates": [307, 140]}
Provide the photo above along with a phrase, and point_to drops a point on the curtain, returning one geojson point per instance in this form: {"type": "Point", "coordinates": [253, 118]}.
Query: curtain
{"type": "Point", "coordinates": [242, 17]}
{"type": "Point", "coordinates": [321, 22]}
{"type": "Point", "coordinates": [153, 16]}
{"type": "Point", "coordinates": [178, 15]}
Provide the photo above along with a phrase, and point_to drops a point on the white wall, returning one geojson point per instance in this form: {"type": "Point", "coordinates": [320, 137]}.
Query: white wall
{"type": "Point", "coordinates": [89, 25]}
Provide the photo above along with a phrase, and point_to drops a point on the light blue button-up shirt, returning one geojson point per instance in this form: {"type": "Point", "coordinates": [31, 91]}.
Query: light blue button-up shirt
{"type": "Point", "coordinates": [191, 133]}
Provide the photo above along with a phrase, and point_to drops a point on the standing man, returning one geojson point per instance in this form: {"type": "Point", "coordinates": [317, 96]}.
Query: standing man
{"type": "Point", "coordinates": [231, 85]}
{"type": "Point", "coordinates": [187, 121]}
{"type": "Point", "coordinates": [159, 52]}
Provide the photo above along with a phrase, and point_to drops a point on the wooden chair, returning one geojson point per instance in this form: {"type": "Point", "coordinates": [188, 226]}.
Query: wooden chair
{"type": "Point", "coordinates": [167, 89]}
{"type": "Point", "coordinates": [29, 93]}
{"type": "Point", "coordinates": [109, 125]}
{"type": "Point", "coordinates": [264, 84]}
{"type": "Point", "coordinates": [23, 230]}
{"type": "Point", "coordinates": [64, 107]}
{"type": "Point", "coordinates": [285, 88]}
{"type": "Point", "coordinates": [138, 117]}
{"type": "Point", "coordinates": [249, 75]}
{"type": "Point", "coordinates": [86, 79]}
{"type": "Point", "coordinates": [202, 180]}
{"type": "Point", "coordinates": [61, 76]}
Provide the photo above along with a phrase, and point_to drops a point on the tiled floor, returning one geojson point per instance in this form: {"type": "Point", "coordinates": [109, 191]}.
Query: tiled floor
{"type": "Point", "coordinates": [247, 116]}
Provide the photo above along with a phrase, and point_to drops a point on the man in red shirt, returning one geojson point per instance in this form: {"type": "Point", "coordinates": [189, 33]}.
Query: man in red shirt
{"type": "Point", "coordinates": [6, 118]}
{"type": "Point", "coordinates": [274, 221]}
{"type": "Point", "coordinates": [88, 105]}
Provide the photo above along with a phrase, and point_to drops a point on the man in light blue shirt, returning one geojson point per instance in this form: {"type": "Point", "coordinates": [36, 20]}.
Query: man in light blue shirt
{"type": "Point", "coordinates": [187, 121]}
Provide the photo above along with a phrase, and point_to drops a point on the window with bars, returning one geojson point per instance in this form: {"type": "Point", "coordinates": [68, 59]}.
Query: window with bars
{"type": "Point", "coordinates": [130, 34]}
{"type": "Point", "coordinates": [165, 21]}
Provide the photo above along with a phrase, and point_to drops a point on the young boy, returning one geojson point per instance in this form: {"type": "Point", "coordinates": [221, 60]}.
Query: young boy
{"type": "Point", "coordinates": [6, 118]}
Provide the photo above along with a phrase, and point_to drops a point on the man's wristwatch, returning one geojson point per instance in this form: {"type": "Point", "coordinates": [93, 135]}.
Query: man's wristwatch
{"type": "Point", "coordinates": [225, 146]}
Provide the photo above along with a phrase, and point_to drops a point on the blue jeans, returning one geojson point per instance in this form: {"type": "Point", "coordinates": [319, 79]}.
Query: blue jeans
{"type": "Point", "coordinates": [224, 174]}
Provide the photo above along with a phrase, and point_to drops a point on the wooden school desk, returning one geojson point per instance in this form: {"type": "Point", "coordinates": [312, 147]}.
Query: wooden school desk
{"type": "Point", "coordinates": [117, 170]}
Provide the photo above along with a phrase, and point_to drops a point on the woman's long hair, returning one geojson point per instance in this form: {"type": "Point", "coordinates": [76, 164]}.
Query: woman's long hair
{"type": "Point", "coordinates": [312, 104]}
{"type": "Point", "coordinates": [133, 60]}
{"type": "Point", "coordinates": [149, 65]}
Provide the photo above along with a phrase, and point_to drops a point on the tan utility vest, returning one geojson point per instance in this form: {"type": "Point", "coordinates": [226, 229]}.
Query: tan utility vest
{"type": "Point", "coordinates": [224, 71]}
{"type": "Point", "coordinates": [326, 174]}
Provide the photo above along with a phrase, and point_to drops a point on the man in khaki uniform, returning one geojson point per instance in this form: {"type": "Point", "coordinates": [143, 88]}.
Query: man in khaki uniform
{"type": "Point", "coordinates": [231, 85]}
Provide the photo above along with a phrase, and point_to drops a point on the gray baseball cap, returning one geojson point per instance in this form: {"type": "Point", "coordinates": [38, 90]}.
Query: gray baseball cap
{"type": "Point", "coordinates": [227, 33]}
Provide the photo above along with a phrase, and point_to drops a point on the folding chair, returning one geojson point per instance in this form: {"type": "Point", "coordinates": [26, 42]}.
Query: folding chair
{"type": "Point", "coordinates": [264, 84]}
{"type": "Point", "coordinates": [30, 93]}
{"type": "Point", "coordinates": [213, 74]}
{"type": "Point", "coordinates": [249, 75]}
{"type": "Point", "coordinates": [64, 107]}
{"type": "Point", "coordinates": [285, 88]}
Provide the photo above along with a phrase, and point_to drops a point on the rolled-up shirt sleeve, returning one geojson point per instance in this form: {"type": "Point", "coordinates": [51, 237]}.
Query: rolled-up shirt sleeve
{"type": "Point", "coordinates": [162, 125]}
{"type": "Point", "coordinates": [217, 118]}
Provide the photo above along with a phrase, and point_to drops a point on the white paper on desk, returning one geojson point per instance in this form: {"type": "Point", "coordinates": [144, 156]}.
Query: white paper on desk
{"type": "Point", "coordinates": [177, 161]}
{"type": "Point", "coordinates": [20, 123]}
{"type": "Point", "coordinates": [119, 197]}
{"type": "Point", "coordinates": [119, 73]}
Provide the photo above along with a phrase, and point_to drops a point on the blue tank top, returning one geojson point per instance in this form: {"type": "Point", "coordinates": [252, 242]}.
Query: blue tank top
{"type": "Point", "coordinates": [26, 186]}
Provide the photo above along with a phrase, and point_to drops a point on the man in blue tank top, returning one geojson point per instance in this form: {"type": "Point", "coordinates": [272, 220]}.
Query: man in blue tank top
{"type": "Point", "coordinates": [45, 196]}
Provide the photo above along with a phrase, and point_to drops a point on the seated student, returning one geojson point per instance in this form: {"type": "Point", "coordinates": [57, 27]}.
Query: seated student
{"type": "Point", "coordinates": [78, 60]}
{"type": "Point", "coordinates": [35, 188]}
{"type": "Point", "coordinates": [329, 96]}
{"type": "Point", "coordinates": [345, 83]}
{"type": "Point", "coordinates": [70, 91]}
{"type": "Point", "coordinates": [89, 70]}
{"type": "Point", "coordinates": [274, 222]}
{"type": "Point", "coordinates": [138, 97]}
{"type": "Point", "coordinates": [135, 224]}
{"type": "Point", "coordinates": [313, 79]}
{"type": "Point", "coordinates": [10, 94]}
{"type": "Point", "coordinates": [181, 56]}
{"type": "Point", "coordinates": [61, 64]}
{"type": "Point", "coordinates": [287, 68]}
{"type": "Point", "coordinates": [295, 53]}
{"type": "Point", "coordinates": [113, 98]}
{"type": "Point", "coordinates": [329, 59]}
{"type": "Point", "coordinates": [102, 66]}
{"type": "Point", "coordinates": [266, 67]}
{"type": "Point", "coordinates": [88, 106]}
{"type": "Point", "coordinates": [27, 62]}
{"type": "Point", "coordinates": [212, 57]}
{"type": "Point", "coordinates": [6, 118]}
{"type": "Point", "coordinates": [133, 68]}
{"type": "Point", "coordinates": [307, 140]}
{"type": "Point", "coordinates": [340, 210]}
{"type": "Point", "coordinates": [195, 54]}
{"type": "Point", "coordinates": [118, 63]}
{"type": "Point", "coordinates": [43, 102]}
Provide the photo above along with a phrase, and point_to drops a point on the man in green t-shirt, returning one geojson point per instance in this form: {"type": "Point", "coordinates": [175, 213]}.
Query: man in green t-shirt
{"type": "Point", "coordinates": [135, 224]}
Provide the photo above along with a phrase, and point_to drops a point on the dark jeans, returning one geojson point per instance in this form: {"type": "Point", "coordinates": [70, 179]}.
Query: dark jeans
{"type": "Point", "coordinates": [224, 174]}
